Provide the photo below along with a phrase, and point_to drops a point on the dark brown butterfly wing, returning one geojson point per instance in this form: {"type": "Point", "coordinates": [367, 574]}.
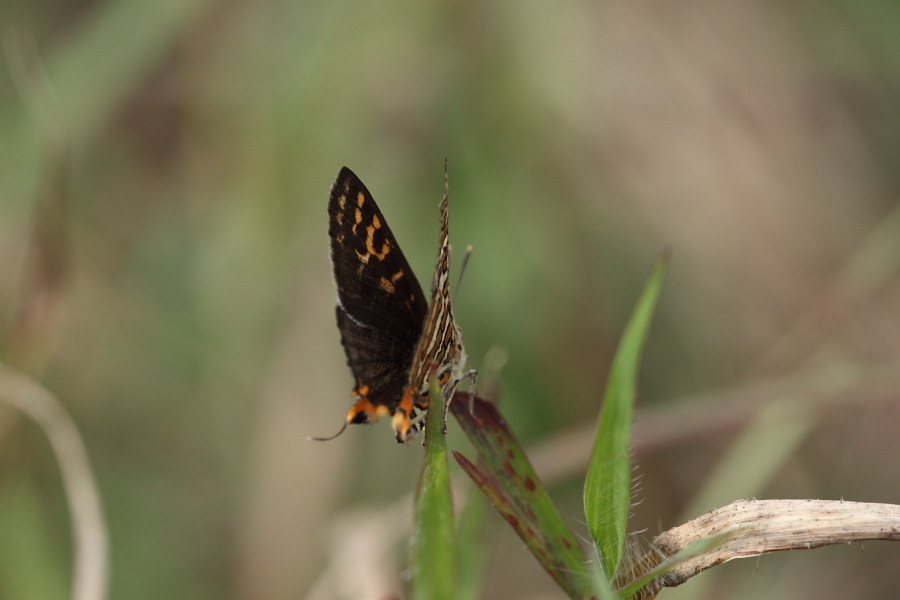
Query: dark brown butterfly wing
{"type": "Point", "coordinates": [381, 307]}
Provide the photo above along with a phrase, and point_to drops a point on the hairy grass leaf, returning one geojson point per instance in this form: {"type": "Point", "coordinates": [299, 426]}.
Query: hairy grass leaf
{"type": "Point", "coordinates": [607, 488]}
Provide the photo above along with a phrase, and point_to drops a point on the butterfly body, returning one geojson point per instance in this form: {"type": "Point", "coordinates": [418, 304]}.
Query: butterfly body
{"type": "Point", "coordinates": [392, 338]}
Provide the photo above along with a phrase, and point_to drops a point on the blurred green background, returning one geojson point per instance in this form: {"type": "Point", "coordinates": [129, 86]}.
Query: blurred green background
{"type": "Point", "coordinates": [164, 271]}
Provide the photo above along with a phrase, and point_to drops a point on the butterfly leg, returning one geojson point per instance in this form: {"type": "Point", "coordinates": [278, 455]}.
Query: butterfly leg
{"type": "Point", "coordinates": [473, 375]}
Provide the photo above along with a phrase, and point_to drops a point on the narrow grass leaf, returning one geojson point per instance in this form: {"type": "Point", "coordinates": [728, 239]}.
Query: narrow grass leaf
{"type": "Point", "coordinates": [521, 524]}
{"type": "Point", "coordinates": [603, 588]}
{"type": "Point", "coordinates": [434, 538]}
{"type": "Point", "coordinates": [639, 587]}
{"type": "Point", "coordinates": [607, 488]}
{"type": "Point", "coordinates": [511, 485]}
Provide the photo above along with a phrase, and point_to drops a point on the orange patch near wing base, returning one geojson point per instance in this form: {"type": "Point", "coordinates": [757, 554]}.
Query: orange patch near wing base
{"type": "Point", "coordinates": [364, 411]}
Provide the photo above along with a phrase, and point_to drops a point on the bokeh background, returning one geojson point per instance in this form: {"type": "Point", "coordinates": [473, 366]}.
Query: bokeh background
{"type": "Point", "coordinates": [164, 271]}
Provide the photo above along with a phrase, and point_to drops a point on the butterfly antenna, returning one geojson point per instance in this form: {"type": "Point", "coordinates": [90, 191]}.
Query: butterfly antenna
{"type": "Point", "coordinates": [468, 253]}
{"type": "Point", "coordinates": [462, 270]}
{"type": "Point", "coordinates": [446, 178]}
{"type": "Point", "coordinates": [326, 439]}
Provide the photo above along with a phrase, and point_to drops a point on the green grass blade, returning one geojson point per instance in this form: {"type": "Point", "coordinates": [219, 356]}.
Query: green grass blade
{"type": "Point", "coordinates": [696, 549]}
{"type": "Point", "coordinates": [603, 588]}
{"type": "Point", "coordinates": [607, 488]}
{"type": "Point", "coordinates": [512, 487]}
{"type": "Point", "coordinates": [434, 539]}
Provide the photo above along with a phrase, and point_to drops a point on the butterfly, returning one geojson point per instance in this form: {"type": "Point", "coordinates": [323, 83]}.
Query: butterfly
{"type": "Point", "coordinates": [392, 338]}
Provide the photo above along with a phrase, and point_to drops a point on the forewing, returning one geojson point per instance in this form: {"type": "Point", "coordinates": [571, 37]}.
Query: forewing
{"type": "Point", "coordinates": [376, 286]}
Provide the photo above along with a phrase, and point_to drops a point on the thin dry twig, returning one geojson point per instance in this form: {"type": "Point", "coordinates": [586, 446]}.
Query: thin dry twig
{"type": "Point", "coordinates": [90, 574]}
{"type": "Point", "coordinates": [758, 527]}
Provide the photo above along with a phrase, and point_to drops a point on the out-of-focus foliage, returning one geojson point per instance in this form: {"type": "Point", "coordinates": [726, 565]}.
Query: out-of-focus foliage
{"type": "Point", "coordinates": [164, 170]}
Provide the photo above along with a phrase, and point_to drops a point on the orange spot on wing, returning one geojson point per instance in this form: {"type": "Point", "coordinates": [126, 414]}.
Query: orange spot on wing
{"type": "Point", "coordinates": [386, 285]}
{"type": "Point", "coordinates": [370, 244]}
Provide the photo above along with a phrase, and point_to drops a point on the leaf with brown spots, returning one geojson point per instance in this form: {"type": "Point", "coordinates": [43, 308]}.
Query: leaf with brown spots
{"type": "Point", "coordinates": [511, 485]}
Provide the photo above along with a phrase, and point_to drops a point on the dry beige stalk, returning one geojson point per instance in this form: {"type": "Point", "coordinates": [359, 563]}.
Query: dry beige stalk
{"type": "Point", "coordinates": [762, 526]}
